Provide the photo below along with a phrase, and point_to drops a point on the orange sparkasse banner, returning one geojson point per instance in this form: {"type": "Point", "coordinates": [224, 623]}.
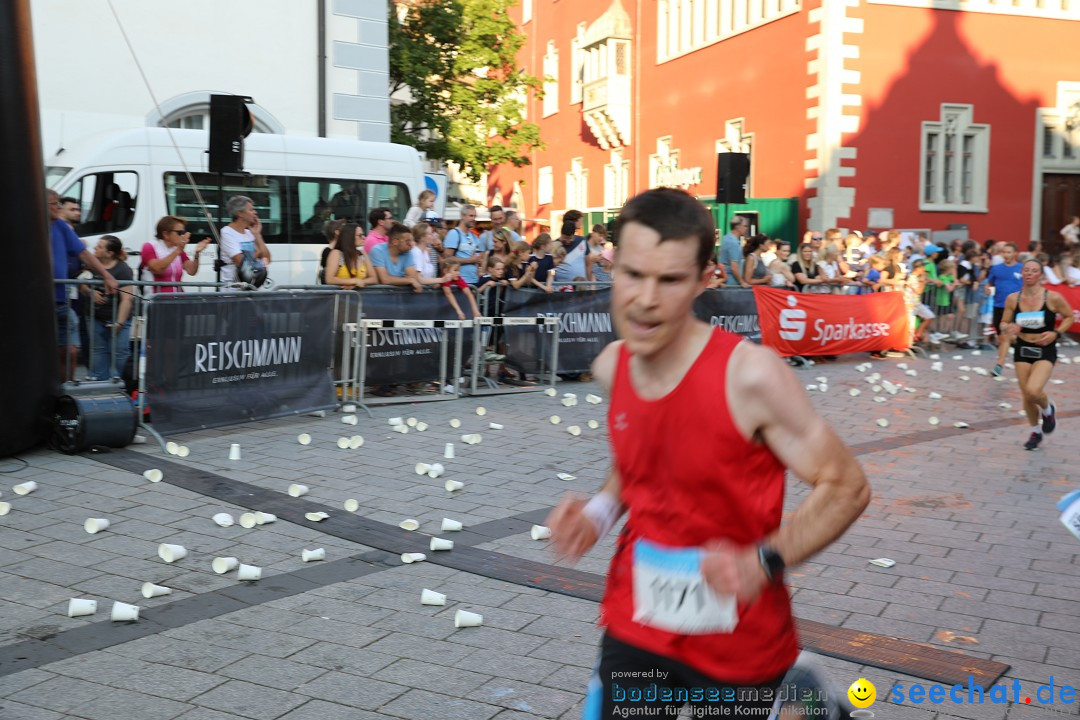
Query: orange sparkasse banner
{"type": "Point", "coordinates": [1072, 296]}
{"type": "Point", "coordinates": [796, 324]}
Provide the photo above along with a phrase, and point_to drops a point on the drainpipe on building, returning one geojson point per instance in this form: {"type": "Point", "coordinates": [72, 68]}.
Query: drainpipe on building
{"type": "Point", "coordinates": [321, 61]}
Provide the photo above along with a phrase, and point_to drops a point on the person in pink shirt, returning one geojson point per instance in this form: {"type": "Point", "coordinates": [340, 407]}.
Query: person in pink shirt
{"type": "Point", "coordinates": [381, 220]}
{"type": "Point", "coordinates": [164, 259]}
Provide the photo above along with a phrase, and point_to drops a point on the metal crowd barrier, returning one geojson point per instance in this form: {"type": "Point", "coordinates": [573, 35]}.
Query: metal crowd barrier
{"type": "Point", "coordinates": [479, 345]}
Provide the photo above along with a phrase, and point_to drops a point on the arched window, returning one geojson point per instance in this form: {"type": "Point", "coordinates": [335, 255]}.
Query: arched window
{"type": "Point", "coordinates": [191, 111]}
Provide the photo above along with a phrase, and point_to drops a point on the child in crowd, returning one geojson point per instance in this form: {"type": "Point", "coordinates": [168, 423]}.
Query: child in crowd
{"type": "Point", "coordinates": [947, 277]}
{"type": "Point", "coordinates": [920, 313]}
{"type": "Point", "coordinates": [452, 268]}
{"type": "Point", "coordinates": [545, 262]}
{"type": "Point", "coordinates": [870, 280]}
{"type": "Point", "coordinates": [496, 275]}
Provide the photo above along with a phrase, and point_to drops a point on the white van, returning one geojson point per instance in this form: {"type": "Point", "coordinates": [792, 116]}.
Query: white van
{"type": "Point", "coordinates": [126, 181]}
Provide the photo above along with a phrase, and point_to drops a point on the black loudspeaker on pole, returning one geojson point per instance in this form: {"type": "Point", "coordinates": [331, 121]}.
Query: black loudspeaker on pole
{"type": "Point", "coordinates": [29, 365]}
{"type": "Point", "coordinates": [732, 171]}
{"type": "Point", "coordinates": [230, 123]}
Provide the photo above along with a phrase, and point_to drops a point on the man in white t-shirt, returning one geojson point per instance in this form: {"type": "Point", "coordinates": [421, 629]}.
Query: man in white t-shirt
{"type": "Point", "coordinates": [242, 235]}
{"type": "Point", "coordinates": [1071, 233]}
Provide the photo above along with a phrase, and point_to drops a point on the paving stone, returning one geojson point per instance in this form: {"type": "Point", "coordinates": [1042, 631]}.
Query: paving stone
{"type": "Point", "coordinates": [432, 676]}
{"type": "Point", "coordinates": [331, 656]}
{"type": "Point", "coordinates": [181, 653]}
{"type": "Point", "coordinates": [249, 700]}
{"type": "Point", "coordinates": [125, 705]}
{"type": "Point", "coordinates": [61, 694]}
{"type": "Point", "coordinates": [10, 710]}
{"type": "Point", "coordinates": [273, 672]}
{"type": "Point", "coordinates": [358, 692]}
{"type": "Point", "coordinates": [502, 665]}
{"type": "Point", "coordinates": [422, 705]}
{"type": "Point", "coordinates": [168, 681]}
{"type": "Point", "coordinates": [319, 710]}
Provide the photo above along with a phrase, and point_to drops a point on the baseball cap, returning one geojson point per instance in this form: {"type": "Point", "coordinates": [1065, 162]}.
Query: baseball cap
{"type": "Point", "coordinates": [931, 248]}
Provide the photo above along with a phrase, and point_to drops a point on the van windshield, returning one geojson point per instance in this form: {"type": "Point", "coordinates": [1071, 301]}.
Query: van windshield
{"type": "Point", "coordinates": [54, 174]}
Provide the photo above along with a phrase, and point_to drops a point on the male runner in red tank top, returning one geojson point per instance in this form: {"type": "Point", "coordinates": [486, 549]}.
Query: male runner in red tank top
{"type": "Point", "coordinates": [702, 427]}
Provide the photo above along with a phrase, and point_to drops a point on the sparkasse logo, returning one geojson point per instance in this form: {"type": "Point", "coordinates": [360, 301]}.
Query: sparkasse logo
{"type": "Point", "coordinates": [792, 321]}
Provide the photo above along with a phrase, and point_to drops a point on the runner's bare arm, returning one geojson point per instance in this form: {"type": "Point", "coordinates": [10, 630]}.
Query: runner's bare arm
{"type": "Point", "coordinates": [1007, 316]}
{"type": "Point", "coordinates": [577, 523]}
{"type": "Point", "coordinates": [769, 405]}
{"type": "Point", "coordinates": [1060, 305]}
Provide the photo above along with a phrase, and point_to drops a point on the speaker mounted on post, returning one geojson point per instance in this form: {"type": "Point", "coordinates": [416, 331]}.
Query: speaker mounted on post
{"type": "Point", "coordinates": [732, 171]}
{"type": "Point", "coordinates": [230, 123]}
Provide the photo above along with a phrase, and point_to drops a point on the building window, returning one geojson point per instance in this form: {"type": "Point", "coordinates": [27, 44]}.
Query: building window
{"type": "Point", "coordinates": [577, 185]}
{"type": "Point", "coordinates": [688, 25]}
{"type": "Point", "coordinates": [737, 140]}
{"type": "Point", "coordinates": [551, 79]}
{"type": "Point", "coordinates": [545, 186]}
{"type": "Point", "coordinates": [955, 162]}
{"type": "Point", "coordinates": [526, 11]}
{"type": "Point", "coordinates": [577, 65]}
{"type": "Point", "coordinates": [616, 180]}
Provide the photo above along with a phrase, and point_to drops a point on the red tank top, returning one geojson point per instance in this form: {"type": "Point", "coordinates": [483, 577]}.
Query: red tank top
{"type": "Point", "coordinates": [689, 477]}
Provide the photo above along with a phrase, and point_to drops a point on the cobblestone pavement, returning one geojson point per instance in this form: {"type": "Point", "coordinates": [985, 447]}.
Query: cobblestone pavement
{"type": "Point", "coordinates": [982, 564]}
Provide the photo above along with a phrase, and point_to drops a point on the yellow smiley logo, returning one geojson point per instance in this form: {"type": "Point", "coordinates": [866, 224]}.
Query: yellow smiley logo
{"type": "Point", "coordinates": [862, 693]}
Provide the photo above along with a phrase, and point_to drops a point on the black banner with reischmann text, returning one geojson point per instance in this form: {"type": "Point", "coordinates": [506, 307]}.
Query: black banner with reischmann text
{"type": "Point", "coordinates": [215, 359]}
{"type": "Point", "coordinates": [404, 354]}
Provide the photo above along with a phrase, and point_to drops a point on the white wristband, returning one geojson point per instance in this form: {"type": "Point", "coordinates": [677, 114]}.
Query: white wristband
{"type": "Point", "coordinates": [604, 511]}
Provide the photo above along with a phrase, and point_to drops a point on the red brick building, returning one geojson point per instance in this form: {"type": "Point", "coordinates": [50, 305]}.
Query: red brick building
{"type": "Point", "coordinates": [856, 113]}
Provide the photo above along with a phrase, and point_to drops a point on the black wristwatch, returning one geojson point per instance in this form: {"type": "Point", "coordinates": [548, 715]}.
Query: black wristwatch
{"type": "Point", "coordinates": [771, 562]}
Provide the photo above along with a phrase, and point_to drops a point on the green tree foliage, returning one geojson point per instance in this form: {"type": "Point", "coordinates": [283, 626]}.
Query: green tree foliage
{"type": "Point", "coordinates": [458, 60]}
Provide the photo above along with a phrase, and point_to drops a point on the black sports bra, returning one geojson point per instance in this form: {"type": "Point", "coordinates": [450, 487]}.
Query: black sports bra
{"type": "Point", "coordinates": [1035, 321]}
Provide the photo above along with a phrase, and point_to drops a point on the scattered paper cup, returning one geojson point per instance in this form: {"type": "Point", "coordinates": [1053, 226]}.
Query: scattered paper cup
{"type": "Point", "coordinates": [349, 419]}
{"type": "Point", "coordinates": [421, 426]}
{"type": "Point", "coordinates": [569, 402]}
{"type": "Point", "coordinates": [934, 396]}
{"type": "Point", "coordinates": [471, 439]}
{"type": "Point", "coordinates": [248, 572]}
{"type": "Point", "coordinates": [171, 553]}
{"type": "Point", "coordinates": [934, 421]}
{"type": "Point", "coordinates": [356, 442]}
{"type": "Point", "coordinates": [448, 453]}
{"type": "Point", "coordinates": [403, 429]}
{"type": "Point", "coordinates": [150, 590]}
{"type": "Point", "coordinates": [913, 372]}
{"type": "Point", "coordinates": [574, 430]}
{"type": "Point", "coordinates": [565, 476]}
{"type": "Point", "coordinates": [298, 490]}
{"type": "Point", "coordinates": [223, 519]}
{"type": "Point", "coordinates": [452, 485]}
{"type": "Point", "coordinates": [464, 618]}
{"type": "Point", "coordinates": [412, 422]}
{"type": "Point", "coordinates": [313, 555]}
{"type": "Point", "coordinates": [455, 423]}
{"type": "Point", "coordinates": [555, 419]}
{"type": "Point", "coordinates": [154, 475]}
{"type": "Point", "coordinates": [248, 521]}
{"type": "Point", "coordinates": [854, 392]}
{"type": "Point", "coordinates": [25, 488]}
{"type": "Point", "coordinates": [409, 558]}
{"type": "Point", "coordinates": [593, 399]}
{"type": "Point", "coordinates": [395, 421]}
{"type": "Point", "coordinates": [265, 518]}
{"type": "Point", "coordinates": [348, 408]}
{"type": "Point", "coordinates": [883, 562]}
{"type": "Point", "coordinates": [961, 424]}
{"type": "Point", "coordinates": [303, 439]}
{"type": "Point", "coordinates": [435, 471]}
{"type": "Point", "coordinates": [965, 378]}
{"type": "Point", "coordinates": [551, 392]}
{"type": "Point", "coordinates": [422, 468]}
{"type": "Point", "coordinates": [430, 597]}
{"type": "Point", "coordinates": [316, 516]}
{"type": "Point", "coordinates": [593, 424]}
{"type": "Point", "coordinates": [95, 525]}
{"type": "Point", "coordinates": [539, 532]}
{"type": "Point", "coordinates": [882, 422]}
{"type": "Point", "coordinates": [234, 451]}
{"type": "Point", "coordinates": [409, 524]}
{"type": "Point", "coordinates": [449, 525]}
{"type": "Point", "coordinates": [222, 565]}
{"type": "Point", "coordinates": [122, 612]}
{"type": "Point", "coordinates": [481, 411]}
{"type": "Point", "coordinates": [1005, 406]}
{"type": "Point", "coordinates": [171, 447]}
{"type": "Point", "coordinates": [343, 443]}
{"type": "Point", "coordinates": [184, 451]}
{"type": "Point", "coordinates": [495, 426]}
{"type": "Point", "coordinates": [352, 505]}
{"type": "Point", "coordinates": [879, 399]}
{"type": "Point", "coordinates": [441, 544]}
{"type": "Point", "coordinates": [77, 607]}
{"type": "Point", "coordinates": [5, 508]}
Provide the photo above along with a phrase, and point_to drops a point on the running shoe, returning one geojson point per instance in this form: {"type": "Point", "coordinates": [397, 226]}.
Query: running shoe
{"type": "Point", "coordinates": [958, 336]}
{"type": "Point", "coordinates": [1033, 441]}
{"type": "Point", "coordinates": [997, 371]}
{"type": "Point", "coordinates": [1049, 422]}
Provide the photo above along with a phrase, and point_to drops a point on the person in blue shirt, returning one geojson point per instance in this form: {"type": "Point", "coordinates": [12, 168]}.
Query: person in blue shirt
{"type": "Point", "coordinates": [731, 254]}
{"type": "Point", "coordinates": [1006, 279]}
{"type": "Point", "coordinates": [392, 260]}
{"type": "Point", "coordinates": [576, 265]}
{"type": "Point", "coordinates": [66, 244]}
{"type": "Point", "coordinates": [461, 243]}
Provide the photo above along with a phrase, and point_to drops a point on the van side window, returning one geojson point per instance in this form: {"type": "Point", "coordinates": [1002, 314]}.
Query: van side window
{"type": "Point", "coordinates": [316, 201]}
{"type": "Point", "coordinates": [107, 200]}
{"type": "Point", "coordinates": [266, 191]}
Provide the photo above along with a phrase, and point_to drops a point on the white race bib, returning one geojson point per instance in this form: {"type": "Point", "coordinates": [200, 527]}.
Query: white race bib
{"type": "Point", "coordinates": [1070, 513]}
{"type": "Point", "coordinates": [671, 594]}
{"type": "Point", "coordinates": [1029, 320]}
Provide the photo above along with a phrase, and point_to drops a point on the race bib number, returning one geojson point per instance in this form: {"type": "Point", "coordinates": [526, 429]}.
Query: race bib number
{"type": "Point", "coordinates": [671, 594]}
{"type": "Point", "coordinates": [1070, 517]}
{"type": "Point", "coordinates": [1030, 320]}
